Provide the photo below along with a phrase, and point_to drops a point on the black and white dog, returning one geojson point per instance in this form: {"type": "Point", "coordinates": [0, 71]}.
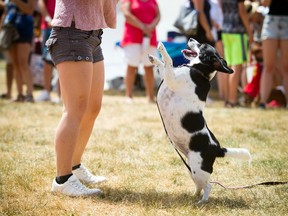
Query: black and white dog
{"type": "Point", "coordinates": [181, 100]}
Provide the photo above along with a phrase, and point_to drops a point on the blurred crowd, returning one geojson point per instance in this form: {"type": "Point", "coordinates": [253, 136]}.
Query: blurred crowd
{"type": "Point", "coordinates": [258, 27]}
{"type": "Point", "coordinates": [28, 61]}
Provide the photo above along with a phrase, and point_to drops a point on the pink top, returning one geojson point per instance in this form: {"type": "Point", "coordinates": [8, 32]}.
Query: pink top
{"type": "Point", "coordinates": [50, 6]}
{"type": "Point", "coordinates": [87, 14]}
{"type": "Point", "coordinates": [145, 11]}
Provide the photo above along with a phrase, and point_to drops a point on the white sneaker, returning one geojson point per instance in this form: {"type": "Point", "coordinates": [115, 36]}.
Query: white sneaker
{"type": "Point", "coordinates": [56, 100]}
{"type": "Point", "coordinates": [83, 174]}
{"type": "Point", "coordinates": [129, 100]}
{"type": "Point", "coordinates": [73, 187]}
{"type": "Point", "coordinates": [44, 96]}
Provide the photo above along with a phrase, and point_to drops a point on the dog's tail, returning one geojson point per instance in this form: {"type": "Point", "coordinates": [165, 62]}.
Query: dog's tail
{"type": "Point", "coordinates": [240, 153]}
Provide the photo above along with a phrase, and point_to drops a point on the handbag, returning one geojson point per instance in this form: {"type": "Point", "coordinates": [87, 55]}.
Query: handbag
{"type": "Point", "coordinates": [187, 21]}
{"type": "Point", "coordinates": [8, 34]}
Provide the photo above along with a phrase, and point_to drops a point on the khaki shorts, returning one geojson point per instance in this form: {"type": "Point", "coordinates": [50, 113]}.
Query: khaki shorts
{"type": "Point", "coordinates": [71, 44]}
{"type": "Point", "coordinates": [134, 55]}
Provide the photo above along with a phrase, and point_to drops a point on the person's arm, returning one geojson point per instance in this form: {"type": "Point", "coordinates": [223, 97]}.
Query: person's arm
{"type": "Point", "coordinates": [244, 17]}
{"type": "Point", "coordinates": [153, 24]}
{"type": "Point", "coordinates": [44, 11]}
{"type": "Point", "coordinates": [266, 3]}
{"type": "Point", "coordinates": [25, 7]}
{"type": "Point", "coordinates": [199, 6]}
{"type": "Point", "coordinates": [2, 5]}
{"type": "Point", "coordinates": [129, 17]}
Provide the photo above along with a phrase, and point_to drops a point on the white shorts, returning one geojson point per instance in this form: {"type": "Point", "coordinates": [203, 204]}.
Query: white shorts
{"type": "Point", "coordinates": [134, 55]}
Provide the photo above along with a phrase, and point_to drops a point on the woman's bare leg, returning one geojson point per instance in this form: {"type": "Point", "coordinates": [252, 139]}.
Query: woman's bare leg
{"type": "Point", "coordinates": [76, 84]}
{"type": "Point", "coordinates": [284, 66]}
{"type": "Point", "coordinates": [270, 47]}
{"type": "Point", "coordinates": [23, 51]}
{"type": "Point", "coordinates": [149, 83]}
{"type": "Point", "coordinates": [47, 73]}
{"type": "Point", "coordinates": [93, 109]}
{"type": "Point", "coordinates": [16, 70]}
{"type": "Point", "coordinates": [130, 80]}
{"type": "Point", "coordinates": [234, 80]}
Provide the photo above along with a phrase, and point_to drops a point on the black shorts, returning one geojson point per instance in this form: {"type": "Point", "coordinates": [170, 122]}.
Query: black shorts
{"type": "Point", "coordinates": [71, 44]}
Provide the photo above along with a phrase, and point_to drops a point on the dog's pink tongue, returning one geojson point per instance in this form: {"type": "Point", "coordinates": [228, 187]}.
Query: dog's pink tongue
{"type": "Point", "coordinates": [189, 52]}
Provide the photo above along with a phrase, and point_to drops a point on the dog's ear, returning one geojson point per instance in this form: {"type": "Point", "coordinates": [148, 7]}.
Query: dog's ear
{"type": "Point", "coordinates": [221, 65]}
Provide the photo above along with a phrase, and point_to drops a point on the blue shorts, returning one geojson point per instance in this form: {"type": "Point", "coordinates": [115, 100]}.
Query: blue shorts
{"type": "Point", "coordinates": [275, 27]}
{"type": "Point", "coordinates": [45, 53]}
{"type": "Point", "coordinates": [25, 28]}
{"type": "Point", "coordinates": [71, 44]}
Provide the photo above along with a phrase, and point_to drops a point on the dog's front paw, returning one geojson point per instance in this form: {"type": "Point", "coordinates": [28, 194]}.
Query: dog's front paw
{"type": "Point", "coordinates": [160, 46]}
{"type": "Point", "coordinates": [151, 59]}
{"type": "Point", "coordinates": [155, 61]}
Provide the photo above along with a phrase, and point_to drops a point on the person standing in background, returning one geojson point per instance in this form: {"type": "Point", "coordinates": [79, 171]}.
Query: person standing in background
{"type": "Point", "coordinates": [21, 13]}
{"type": "Point", "coordinates": [275, 45]}
{"type": "Point", "coordinates": [204, 32]}
{"type": "Point", "coordinates": [74, 45]}
{"type": "Point", "coordinates": [236, 34]}
{"type": "Point", "coordinates": [47, 8]}
{"type": "Point", "coordinates": [139, 39]}
{"type": "Point", "coordinates": [217, 23]}
{"type": "Point", "coordinates": [8, 66]}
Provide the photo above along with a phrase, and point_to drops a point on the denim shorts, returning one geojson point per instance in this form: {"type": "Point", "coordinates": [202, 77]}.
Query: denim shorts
{"type": "Point", "coordinates": [24, 25]}
{"type": "Point", "coordinates": [71, 44]}
{"type": "Point", "coordinates": [45, 53]}
{"type": "Point", "coordinates": [275, 27]}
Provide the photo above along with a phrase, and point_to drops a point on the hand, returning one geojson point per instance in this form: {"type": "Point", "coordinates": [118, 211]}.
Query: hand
{"type": "Point", "coordinates": [250, 39]}
{"type": "Point", "coordinates": [209, 36]}
{"type": "Point", "coordinates": [48, 19]}
{"type": "Point", "coordinates": [147, 30]}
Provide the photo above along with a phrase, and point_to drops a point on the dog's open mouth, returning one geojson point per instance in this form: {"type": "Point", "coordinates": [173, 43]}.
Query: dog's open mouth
{"type": "Point", "coordinates": [189, 53]}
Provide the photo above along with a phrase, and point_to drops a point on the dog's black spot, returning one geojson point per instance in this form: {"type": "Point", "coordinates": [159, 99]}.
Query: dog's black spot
{"type": "Point", "coordinates": [193, 122]}
{"type": "Point", "coordinates": [202, 84]}
{"type": "Point", "coordinates": [221, 151]}
{"type": "Point", "coordinates": [194, 172]}
{"type": "Point", "coordinates": [208, 151]}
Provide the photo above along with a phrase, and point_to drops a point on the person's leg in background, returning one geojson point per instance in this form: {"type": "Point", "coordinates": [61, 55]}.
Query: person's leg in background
{"type": "Point", "coordinates": [9, 76]}
{"type": "Point", "coordinates": [149, 78]}
{"type": "Point", "coordinates": [270, 49]}
{"type": "Point", "coordinates": [222, 78]}
{"type": "Point", "coordinates": [238, 56]}
{"type": "Point", "coordinates": [233, 82]}
{"type": "Point", "coordinates": [149, 83]}
{"type": "Point", "coordinates": [19, 53]}
{"type": "Point", "coordinates": [17, 73]}
{"type": "Point", "coordinates": [47, 68]}
{"type": "Point", "coordinates": [284, 65]}
{"type": "Point", "coordinates": [129, 81]}
{"type": "Point", "coordinates": [23, 52]}
{"type": "Point", "coordinates": [132, 53]}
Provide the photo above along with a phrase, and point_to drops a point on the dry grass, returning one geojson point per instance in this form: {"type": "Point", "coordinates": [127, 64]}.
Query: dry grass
{"type": "Point", "coordinates": [145, 175]}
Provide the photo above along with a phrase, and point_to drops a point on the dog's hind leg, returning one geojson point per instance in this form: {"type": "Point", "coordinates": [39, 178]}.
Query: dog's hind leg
{"type": "Point", "coordinates": [200, 177]}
